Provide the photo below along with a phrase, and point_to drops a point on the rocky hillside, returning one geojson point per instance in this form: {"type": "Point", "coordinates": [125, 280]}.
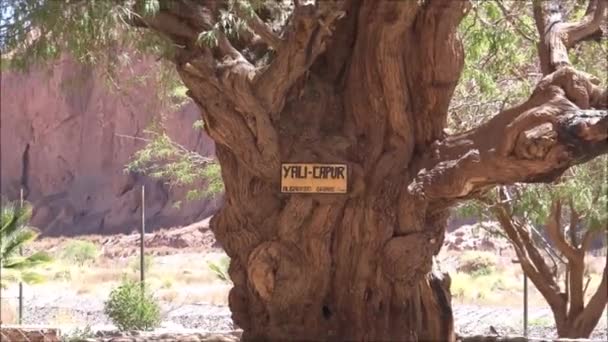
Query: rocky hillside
{"type": "Point", "coordinates": [61, 140]}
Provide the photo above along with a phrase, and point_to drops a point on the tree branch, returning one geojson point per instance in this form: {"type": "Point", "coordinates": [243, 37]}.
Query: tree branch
{"type": "Point", "coordinates": [556, 37]}
{"type": "Point", "coordinates": [587, 320]}
{"type": "Point", "coordinates": [574, 221]}
{"type": "Point", "coordinates": [258, 26]}
{"type": "Point", "coordinates": [532, 264]}
{"type": "Point", "coordinates": [590, 24]}
{"type": "Point", "coordinates": [235, 117]}
{"type": "Point", "coordinates": [590, 234]}
{"type": "Point", "coordinates": [305, 40]}
{"type": "Point", "coordinates": [553, 226]}
{"type": "Point", "coordinates": [534, 142]}
{"type": "Point", "coordinates": [516, 25]}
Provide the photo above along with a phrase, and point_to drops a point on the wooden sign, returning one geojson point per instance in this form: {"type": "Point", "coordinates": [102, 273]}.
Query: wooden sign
{"type": "Point", "coordinates": [314, 178]}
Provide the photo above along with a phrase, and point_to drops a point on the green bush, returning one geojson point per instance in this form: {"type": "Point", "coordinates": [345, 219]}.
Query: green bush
{"type": "Point", "coordinates": [80, 252]}
{"type": "Point", "coordinates": [477, 263]}
{"type": "Point", "coordinates": [131, 309]}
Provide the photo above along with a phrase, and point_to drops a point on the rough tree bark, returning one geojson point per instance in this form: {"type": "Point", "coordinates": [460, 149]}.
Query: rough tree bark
{"type": "Point", "coordinates": [573, 319]}
{"type": "Point", "coordinates": [367, 83]}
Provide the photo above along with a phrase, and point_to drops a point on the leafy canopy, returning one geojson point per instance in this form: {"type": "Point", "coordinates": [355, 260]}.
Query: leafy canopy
{"type": "Point", "coordinates": [499, 38]}
{"type": "Point", "coordinates": [164, 159]}
{"type": "Point", "coordinates": [501, 59]}
{"type": "Point", "coordinates": [91, 31]}
{"type": "Point", "coordinates": [500, 70]}
{"type": "Point", "coordinates": [584, 185]}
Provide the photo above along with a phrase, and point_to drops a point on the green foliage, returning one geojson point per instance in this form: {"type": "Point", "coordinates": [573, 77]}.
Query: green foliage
{"type": "Point", "coordinates": [80, 252]}
{"type": "Point", "coordinates": [499, 39]}
{"type": "Point", "coordinates": [497, 65]}
{"type": "Point", "coordinates": [36, 31]}
{"type": "Point", "coordinates": [585, 186]}
{"type": "Point", "coordinates": [477, 263]}
{"type": "Point", "coordinates": [208, 38]}
{"type": "Point", "coordinates": [231, 25]}
{"type": "Point", "coordinates": [14, 236]}
{"type": "Point", "coordinates": [78, 334]}
{"type": "Point", "coordinates": [162, 158]}
{"type": "Point", "coordinates": [130, 308]}
{"type": "Point", "coordinates": [198, 124]}
{"type": "Point", "coordinates": [219, 267]}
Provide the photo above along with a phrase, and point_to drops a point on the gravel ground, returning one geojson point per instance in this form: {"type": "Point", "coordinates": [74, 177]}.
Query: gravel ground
{"type": "Point", "coordinates": [470, 319]}
{"type": "Point", "coordinates": [202, 317]}
{"type": "Point", "coordinates": [477, 320]}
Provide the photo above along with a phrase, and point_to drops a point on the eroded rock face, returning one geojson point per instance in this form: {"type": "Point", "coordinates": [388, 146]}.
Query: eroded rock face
{"type": "Point", "coordinates": [60, 142]}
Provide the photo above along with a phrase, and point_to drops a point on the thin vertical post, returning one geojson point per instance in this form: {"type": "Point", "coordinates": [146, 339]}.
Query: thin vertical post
{"type": "Point", "coordinates": [525, 305]}
{"type": "Point", "coordinates": [21, 254]}
{"type": "Point", "coordinates": [143, 232]}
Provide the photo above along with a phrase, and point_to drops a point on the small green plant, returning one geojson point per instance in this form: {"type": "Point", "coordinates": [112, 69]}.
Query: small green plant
{"type": "Point", "coordinates": [135, 264]}
{"type": "Point", "coordinates": [541, 321]}
{"type": "Point", "coordinates": [78, 335]}
{"type": "Point", "coordinates": [80, 252]}
{"type": "Point", "coordinates": [219, 267]}
{"type": "Point", "coordinates": [477, 263]}
{"type": "Point", "coordinates": [166, 283]}
{"type": "Point", "coordinates": [130, 307]}
{"type": "Point", "coordinates": [63, 275]}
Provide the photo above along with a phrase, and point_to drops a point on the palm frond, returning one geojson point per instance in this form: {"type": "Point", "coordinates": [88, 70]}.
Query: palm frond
{"type": "Point", "coordinates": [9, 276]}
{"type": "Point", "coordinates": [13, 218]}
{"type": "Point", "coordinates": [21, 263]}
{"type": "Point", "coordinates": [11, 244]}
{"type": "Point", "coordinates": [32, 278]}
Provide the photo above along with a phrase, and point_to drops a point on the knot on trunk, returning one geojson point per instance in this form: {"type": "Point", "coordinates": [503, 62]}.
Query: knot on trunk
{"type": "Point", "coordinates": [408, 258]}
{"type": "Point", "coordinates": [536, 142]}
{"type": "Point", "coordinates": [276, 272]}
{"type": "Point", "coordinates": [579, 87]}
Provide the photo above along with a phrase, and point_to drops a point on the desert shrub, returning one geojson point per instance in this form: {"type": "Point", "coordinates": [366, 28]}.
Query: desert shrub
{"type": "Point", "coordinates": [130, 308]}
{"type": "Point", "coordinates": [80, 252]}
{"type": "Point", "coordinates": [219, 267]}
{"type": "Point", "coordinates": [477, 263]}
{"type": "Point", "coordinates": [166, 283]}
{"type": "Point", "coordinates": [62, 275]}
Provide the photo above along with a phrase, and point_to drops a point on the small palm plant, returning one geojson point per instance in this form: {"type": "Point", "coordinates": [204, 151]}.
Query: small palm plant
{"type": "Point", "coordinates": [14, 234]}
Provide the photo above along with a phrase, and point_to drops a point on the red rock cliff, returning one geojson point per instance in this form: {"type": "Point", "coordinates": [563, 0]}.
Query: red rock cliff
{"type": "Point", "coordinates": [59, 141]}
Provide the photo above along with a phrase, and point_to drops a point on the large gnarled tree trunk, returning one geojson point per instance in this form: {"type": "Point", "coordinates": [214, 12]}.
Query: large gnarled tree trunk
{"type": "Point", "coordinates": [366, 83]}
